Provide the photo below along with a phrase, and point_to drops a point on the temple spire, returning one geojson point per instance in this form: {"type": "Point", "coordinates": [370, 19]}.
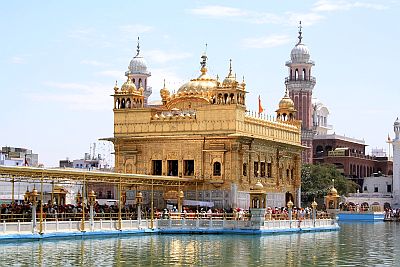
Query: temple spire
{"type": "Point", "coordinates": [300, 32]}
{"type": "Point", "coordinates": [138, 47]}
{"type": "Point", "coordinates": [203, 62]}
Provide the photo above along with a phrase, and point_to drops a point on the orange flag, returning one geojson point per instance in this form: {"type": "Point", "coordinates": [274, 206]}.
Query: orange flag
{"type": "Point", "coordinates": [260, 108]}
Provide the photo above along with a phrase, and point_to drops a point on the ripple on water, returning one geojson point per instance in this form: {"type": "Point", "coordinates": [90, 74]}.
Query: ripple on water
{"type": "Point", "coordinates": [356, 244]}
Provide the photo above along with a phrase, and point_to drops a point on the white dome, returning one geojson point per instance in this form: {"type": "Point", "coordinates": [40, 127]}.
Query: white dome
{"type": "Point", "coordinates": [138, 65]}
{"type": "Point", "coordinates": [300, 54]}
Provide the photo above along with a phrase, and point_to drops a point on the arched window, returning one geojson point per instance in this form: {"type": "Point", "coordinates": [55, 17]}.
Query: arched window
{"type": "Point", "coordinates": [296, 75]}
{"type": "Point", "coordinates": [244, 169]}
{"type": "Point", "coordinates": [123, 103]}
{"type": "Point", "coordinates": [128, 103]}
{"type": "Point", "coordinates": [117, 104]}
{"type": "Point", "coordinates": [304, 74]}
{"type": "Point", "coordinates": [291, 74]}
{"type": "Point", "coordinates": [217, 169]}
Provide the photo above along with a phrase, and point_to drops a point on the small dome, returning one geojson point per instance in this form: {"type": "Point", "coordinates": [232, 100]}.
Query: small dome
{"type": "Point", "coordinates": [116, 87]}
{"type": "Point", "coordinates": [138, 65]}
{"type": "Point", "coordinates": [286, 102]}
{"type": "Point", "coordinates": [128, 86]}
{"type": "Point", "coordinates": [203, 83]}
{"type": "Point", "coordinates": [333, 191]}
{"type": "Point", "coordinates": [258, 186]}
{"type": "Point", "coordinates": [300, 54]}
{"type": "Point", "coordinates": [230, 79]}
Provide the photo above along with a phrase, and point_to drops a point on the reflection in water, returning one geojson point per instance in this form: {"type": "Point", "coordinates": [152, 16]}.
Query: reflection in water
{"type": "Point", "coordinates": [355, 244]}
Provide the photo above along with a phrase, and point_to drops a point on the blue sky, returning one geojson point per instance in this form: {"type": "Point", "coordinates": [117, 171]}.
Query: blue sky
{"type": "Point", "coordinates": [59, 61]}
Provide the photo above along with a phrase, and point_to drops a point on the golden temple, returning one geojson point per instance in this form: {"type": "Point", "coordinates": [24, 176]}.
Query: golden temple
{"type": "Point", "coordinates": [204, 132]}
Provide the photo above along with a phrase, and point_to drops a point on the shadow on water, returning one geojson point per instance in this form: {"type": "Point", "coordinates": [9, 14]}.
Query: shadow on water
{"type": "Point", "coordinates": [356, 244]}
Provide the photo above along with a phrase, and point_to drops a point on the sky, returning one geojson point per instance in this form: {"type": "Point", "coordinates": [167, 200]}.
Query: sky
{"type": "Point", "coordinates": [59, 61]}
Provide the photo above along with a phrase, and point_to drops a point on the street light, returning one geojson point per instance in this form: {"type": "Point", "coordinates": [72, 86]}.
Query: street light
{"type": "Point", "coordinates": [290, 206]}
{"type": "Point", "coordinates": [91, 200]}
{"type": "Point", "coordinates": [314, 207]}
{"type": "Point", "coordinates": [34, 199]}
{"type": "Point", "coordinates": [139, 201]}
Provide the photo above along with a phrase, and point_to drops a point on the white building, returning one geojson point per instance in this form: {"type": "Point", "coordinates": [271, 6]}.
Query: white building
{"type": "Point", "coordinates": [396, 164]}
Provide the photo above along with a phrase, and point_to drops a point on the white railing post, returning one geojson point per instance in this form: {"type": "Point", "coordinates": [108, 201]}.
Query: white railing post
{"type": "Point", "coordinates": [70, 225]}
{"type": "Point", "coordinates": [101, 224]}
{"type": "Point", "coordinates": [19, 226]}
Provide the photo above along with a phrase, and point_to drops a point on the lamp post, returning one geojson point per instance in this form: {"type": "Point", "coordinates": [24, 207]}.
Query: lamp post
{"type": "Point", "coordinates": [181, 195]}
{"type": "Point", "coordinates": [91, 200]}
{"type": "Point", "coordinates": [78, 198]}
{"type": "Point", "coordinates": [314, 210]}
{"type": "Point", "coordinates": [34, 199]}
{"type": "Point", "coordinates": [27, 196]}
{"type": "Point", "coordinates": [290, 206]}
{"type": "Point", "coordinates": [139, 201]}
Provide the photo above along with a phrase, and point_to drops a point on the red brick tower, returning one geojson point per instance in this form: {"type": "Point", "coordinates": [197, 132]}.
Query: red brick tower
{"type": "Point", "coordinates": [300, 85]}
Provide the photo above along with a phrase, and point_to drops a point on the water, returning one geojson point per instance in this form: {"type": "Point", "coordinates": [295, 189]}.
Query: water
{"type": "Point", "coordinates": [356, 244]}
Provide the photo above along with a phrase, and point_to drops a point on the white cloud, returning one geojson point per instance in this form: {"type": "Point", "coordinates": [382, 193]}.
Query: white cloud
{"type": "Point", "coordinates": [135, 29]}
{"type": "Point", "coordinates": [160, 56]}
{"type": "Point", "coordinates": [267, 41]}
{"type": "Point", "coordinates": [307, 19]}
{"type": "Point", "coordinates": [76, 96]}
{"type": "Point", "coordinates": [93, 63]}
{"type": "Point", "coordinates": [18, 60]}
{"type": "Point", "coordinates": [252, 16]}
{"type": "Point", "coordinates": [327, 5]}
{"type": "Point", "coordinates": [218, 11]}
{"type": "Point", "coordinates": [117, 74]}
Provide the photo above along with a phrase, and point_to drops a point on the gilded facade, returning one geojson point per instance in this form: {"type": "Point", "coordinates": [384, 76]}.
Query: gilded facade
{"type": "Point", "coordinates": [204, 132]}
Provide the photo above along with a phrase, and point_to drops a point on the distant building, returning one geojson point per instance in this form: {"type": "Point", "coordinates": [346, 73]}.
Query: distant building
{"type": "Point", "coordinates": [348, 155]}
{"type": "Point", "coordinates": [15, 156]}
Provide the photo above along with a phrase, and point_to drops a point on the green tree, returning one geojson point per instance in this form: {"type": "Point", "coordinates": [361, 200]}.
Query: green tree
{"type": "Point", "coordinates": [316, 181]}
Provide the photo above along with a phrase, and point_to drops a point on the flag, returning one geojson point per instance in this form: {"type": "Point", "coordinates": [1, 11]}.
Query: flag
{"type": "Point", "coordinates": [260, 108]}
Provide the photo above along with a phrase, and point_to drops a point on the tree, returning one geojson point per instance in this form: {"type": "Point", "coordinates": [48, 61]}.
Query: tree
{"type": "Point", "coordinates": [316, 181]}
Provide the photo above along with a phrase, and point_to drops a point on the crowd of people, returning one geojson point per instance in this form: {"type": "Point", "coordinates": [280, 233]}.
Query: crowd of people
{"type": "Point", "coordinates": [392, 214]}
{"type": "Point", "coordinates": [23, 211]}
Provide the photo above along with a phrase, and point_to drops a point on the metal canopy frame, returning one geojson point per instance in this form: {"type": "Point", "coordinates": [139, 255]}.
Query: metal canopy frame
{"type": "Point", "coordinates": [68, 176]}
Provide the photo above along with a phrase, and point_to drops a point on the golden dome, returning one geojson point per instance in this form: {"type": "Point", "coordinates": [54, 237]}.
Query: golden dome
{"type": "Point", "coordinates": [201, 84]}
{"type": "Point", "coordinates": [128, 86]}
{"type": "Point", "coordinates": [230, 79]}
{"type": "Point", "coordinates": [116, 87]}
{"type": "Point", "coordinates": [258, 186]}
{"type": "Point", "coordinates": [164, 92]}
{"type": "Point", "coordinates": [286, 102]}
{"type": "Point", "coordinates": [333, 191]}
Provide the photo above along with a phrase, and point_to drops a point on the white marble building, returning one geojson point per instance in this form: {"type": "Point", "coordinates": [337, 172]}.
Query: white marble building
{"type": "Point", "coordinates": [396, 164]}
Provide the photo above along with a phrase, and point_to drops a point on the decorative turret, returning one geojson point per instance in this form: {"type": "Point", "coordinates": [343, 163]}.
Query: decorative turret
{"type": "Point", "coordinates": [286, 111]}
{"type": "Point", "coordinates": [300, 85]}
{"type": "Point", "coordinates": [138, 73]}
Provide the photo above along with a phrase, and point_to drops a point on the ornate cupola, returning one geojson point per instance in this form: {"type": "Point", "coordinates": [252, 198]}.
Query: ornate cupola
{"type": "Point", "coordinates": [230, 91]}
{"type": "Point", "coordinates": [138, 73]}
{"type": "Point", "coordinates": [286, 110]}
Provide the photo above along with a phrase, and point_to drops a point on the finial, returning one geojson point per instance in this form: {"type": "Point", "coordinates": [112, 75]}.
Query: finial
{"type": "Point", "coordinates": [243, 79]}
{"type": "Point", "coordinates": [286, 92]}
{"type": "Point", "coordinates": [333, 183]}
{"type": "Point", "coordinates": [164, 83]}
{"type": "Point", "coordinates": [203, 63]}
{"type": "Point", "coordinates": [116, 83]}
{"type": "Point", "coordinates": [217, 77]}
{"type": "Point", "coordinates": [300, 32]}
{"type": "Point", "coordinates": [138, 47]}
{"type": "Point", "coordinates": [230, 67]}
